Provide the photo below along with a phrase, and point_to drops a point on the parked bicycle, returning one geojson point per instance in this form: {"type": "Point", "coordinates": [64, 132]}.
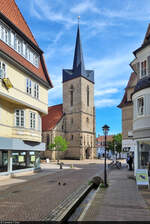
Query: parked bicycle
{"type": "Point", "coordinates": [115, 164]}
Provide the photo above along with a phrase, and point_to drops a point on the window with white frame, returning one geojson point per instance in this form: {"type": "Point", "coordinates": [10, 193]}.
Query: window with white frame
{"type": "Point", "coordinates": [32, 120]}
{"type": "Point", "coordinates": [17, 43]}
{"type": "Point", "coordinates": [39, 122]}
{"type": "Point", "coordinates": [143, 68]}
{"type": "Point", "coordinates": [36, 90]}
{"type": "Point", "coordinates": [19, 118]}
{"type": "Point", "coordinates": [2, 70]}
{"type": "Point", "coordinates": [140, 106]}
{"type": "Point", "coordinates": [29, 86]}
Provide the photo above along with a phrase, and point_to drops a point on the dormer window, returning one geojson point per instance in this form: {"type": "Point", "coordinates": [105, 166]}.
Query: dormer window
{"type": "Point", "coordinates": [140, 106]}
{"type": "Point", "coordinates": [143, 69]}
{"type": "Point", "coordinates": [16, 42]}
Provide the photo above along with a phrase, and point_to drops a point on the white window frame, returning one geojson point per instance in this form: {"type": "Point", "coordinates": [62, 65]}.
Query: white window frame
{"type": "Point", "coordinates": [36, 90]}
{"type": "Point", "coordinates": [32, 120]}
{"type": "Point", "coordinates": [143, 71]}
{"type": "Point", "coordinates": [17, 43]}
{"type": "Point", "coordinates": [39, 123]}
{"type": "Point", "coordinates": [140, 110]}
{"type": "Point", "coordinates": [3, 67]}
{"type": "Point", "coordinates": [28, 86]}
{"type": "Point", "coordinates": [20, 116]}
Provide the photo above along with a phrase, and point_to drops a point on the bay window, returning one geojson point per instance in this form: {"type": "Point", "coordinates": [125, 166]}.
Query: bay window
{"type": "Point", "coordinates": [140, 106]}
{"type": "Point", "coordinates": [19, 118]}
{"type": "Point", "coordinates": [32, 120]}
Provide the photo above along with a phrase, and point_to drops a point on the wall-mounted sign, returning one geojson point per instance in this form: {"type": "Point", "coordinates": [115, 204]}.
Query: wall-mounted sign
{"type": "Point", "coordinates": [21, 159]}
{"type": "Point", "coordinates": [142, 177]}
{"type": "Point", "coordinates": [7, 83]}
{"type": "Point", "coordinates": [32, 158]}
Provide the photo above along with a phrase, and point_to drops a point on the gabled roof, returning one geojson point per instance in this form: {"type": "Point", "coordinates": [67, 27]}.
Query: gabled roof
{"type": "Point", "coordinates": [78, 64]}
{"type": "Point", "coordinates": [124, 100]}
{"type": "Point", "coordinates": [10, 10]}
{"type": "Point", "coordinates": [10, 13]}
{"type": "Point", "coordinates": [147, 35]}
{"type": "Point", "coordinates": [146, 41]}
{"type": "Point", "coordinates": [49, 121]}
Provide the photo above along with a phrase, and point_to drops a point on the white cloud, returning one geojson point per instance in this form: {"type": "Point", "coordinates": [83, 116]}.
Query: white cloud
{"type": "Point", "coordinates": [106, 91]}
{"type": "Point", "coordinates": [106, 102]}
{"type": "Point", "coordinates": [83, 7]}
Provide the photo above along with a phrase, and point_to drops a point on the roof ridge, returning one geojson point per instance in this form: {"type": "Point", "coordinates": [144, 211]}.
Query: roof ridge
{"type": "Point", "coordinates": [25, 23]}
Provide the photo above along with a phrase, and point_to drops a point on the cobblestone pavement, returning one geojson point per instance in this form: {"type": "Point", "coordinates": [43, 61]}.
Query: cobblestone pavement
{"type": "Point", "coordinates": [121, 201]}
{"type": "Point", "coordinates": [34, 199]}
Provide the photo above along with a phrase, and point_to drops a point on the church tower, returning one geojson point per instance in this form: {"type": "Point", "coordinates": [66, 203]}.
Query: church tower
{"type": "Point", "coordinates": [78, 107]}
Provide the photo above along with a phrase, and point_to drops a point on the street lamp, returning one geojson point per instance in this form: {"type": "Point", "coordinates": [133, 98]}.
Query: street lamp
{"type": "Point", "coordinates": [105, 131]}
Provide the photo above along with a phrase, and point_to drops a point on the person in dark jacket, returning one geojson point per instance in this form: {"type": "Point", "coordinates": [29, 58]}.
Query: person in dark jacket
{"type": "Point", "coordinates": [130, 162]}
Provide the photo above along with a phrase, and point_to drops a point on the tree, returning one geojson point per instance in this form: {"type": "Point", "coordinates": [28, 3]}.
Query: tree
{"type": "Point", "coordinates": [117, 139]}
{"type": "Point", "coordinates": [60, 144]}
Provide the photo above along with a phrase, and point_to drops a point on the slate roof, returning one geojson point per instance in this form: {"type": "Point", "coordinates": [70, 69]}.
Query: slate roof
{"type": "Point", "coordinates": [124, 100]}
{"type": "Point", "coordinates": [55, 114]}
{"type": "Point", "coordinates": [142, 84]}
{"type": "Point", "coordinates": [10, 12]}
{"type": "Point", "coordinates": [145, 42]}
{"type": "Point", "coordinates": [78, 64]}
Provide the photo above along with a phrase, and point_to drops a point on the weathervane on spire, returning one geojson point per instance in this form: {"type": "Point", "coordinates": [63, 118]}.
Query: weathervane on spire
{"type": "Point", "coordinates": [78, 20]}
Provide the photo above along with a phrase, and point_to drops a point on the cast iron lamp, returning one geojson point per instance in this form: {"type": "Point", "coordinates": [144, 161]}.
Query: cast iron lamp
{"type": "Point", "coordinates": [105, 131]}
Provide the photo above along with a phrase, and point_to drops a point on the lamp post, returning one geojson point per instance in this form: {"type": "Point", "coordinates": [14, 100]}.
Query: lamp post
{"type": "Point", "coordinates": [105, 131]}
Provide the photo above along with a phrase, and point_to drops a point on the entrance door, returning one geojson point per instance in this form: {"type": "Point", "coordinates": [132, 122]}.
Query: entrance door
{"type": "Point", "coordinates": [3, 161]}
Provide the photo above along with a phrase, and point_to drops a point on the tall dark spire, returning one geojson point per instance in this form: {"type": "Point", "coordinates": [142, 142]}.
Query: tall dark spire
{"type": "Point", "coordinates": [78, 69]}
{"type": "Point", "coordinates": [78, 62]}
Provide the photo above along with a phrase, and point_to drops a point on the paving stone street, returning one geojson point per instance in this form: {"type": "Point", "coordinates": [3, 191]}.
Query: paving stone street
{"type": "Point", "coordinates": [34, 198]}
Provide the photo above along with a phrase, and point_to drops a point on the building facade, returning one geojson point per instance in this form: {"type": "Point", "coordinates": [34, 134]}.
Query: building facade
{"type": "Point", "coordinates": [126, 105]}
{"type": "Point", "coordinates": [24, 84]}
{"type": "Point", "coordinates": [78, 111]}
{"type": "Point", "coordinates": [141, 105]}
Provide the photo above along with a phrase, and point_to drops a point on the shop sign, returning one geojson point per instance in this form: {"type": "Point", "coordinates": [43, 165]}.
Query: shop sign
{"type": "Point", "coordinates": [21, 159]}
{"type": "Point", "coordinates": [32, 158]}
{"type": "Point", "coordinates": [142, 177]}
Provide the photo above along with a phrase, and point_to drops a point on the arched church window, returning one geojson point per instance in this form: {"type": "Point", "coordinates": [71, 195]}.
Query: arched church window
{"type": "Point", "coordinates": [71, 95]}
{"type": "Point", "coordinates": [88, 94]}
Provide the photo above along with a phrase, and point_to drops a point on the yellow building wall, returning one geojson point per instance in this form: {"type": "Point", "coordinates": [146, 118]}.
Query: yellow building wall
{"type": "Point", "coordinates": [7, 123]}
{"type": "Point", "coordinates": [18, 92]}
{"type": "Point", "coordinates": [17, 98]}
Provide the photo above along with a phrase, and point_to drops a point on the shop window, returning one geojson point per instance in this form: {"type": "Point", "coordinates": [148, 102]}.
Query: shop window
{"type": "Point", "coordinates": [143, 68]}
{"type": "Point", "coordinates": [140, 106]}
{"type": "Point", "coordinates": [19, 118]}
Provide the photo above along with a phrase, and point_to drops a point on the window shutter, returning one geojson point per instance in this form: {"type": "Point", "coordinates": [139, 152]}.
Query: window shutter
{"type": "Point", "coordinates": [148, 65]}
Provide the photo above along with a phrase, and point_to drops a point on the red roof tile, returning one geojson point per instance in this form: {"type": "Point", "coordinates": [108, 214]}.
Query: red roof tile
{"type": "Point", "coordinates": [12, 12]}
{"type": "Point", "coordinates": [10, 9]}
{"type": "Point", "coordinates": [55, 113]}
{"type": "Point", "coordinates": [13, 54]}
{"type": "Point", "coordinates": [102, 138]}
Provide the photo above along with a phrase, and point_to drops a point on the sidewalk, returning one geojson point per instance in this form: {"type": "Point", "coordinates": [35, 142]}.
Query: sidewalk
{"type": "Point", "coordinates": [121, 201]}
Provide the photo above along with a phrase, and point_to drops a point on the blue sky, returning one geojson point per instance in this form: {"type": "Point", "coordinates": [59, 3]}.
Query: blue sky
{"type": "Point", "coordinates": [110, 31]}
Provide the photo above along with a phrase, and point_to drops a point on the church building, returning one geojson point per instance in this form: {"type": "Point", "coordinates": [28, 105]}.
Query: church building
{"type": "Point", "coordinates": [75, 118]}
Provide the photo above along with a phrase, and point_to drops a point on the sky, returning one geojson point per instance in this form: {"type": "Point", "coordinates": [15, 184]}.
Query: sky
{"type": "Point", "coordinates": [110, 31]}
